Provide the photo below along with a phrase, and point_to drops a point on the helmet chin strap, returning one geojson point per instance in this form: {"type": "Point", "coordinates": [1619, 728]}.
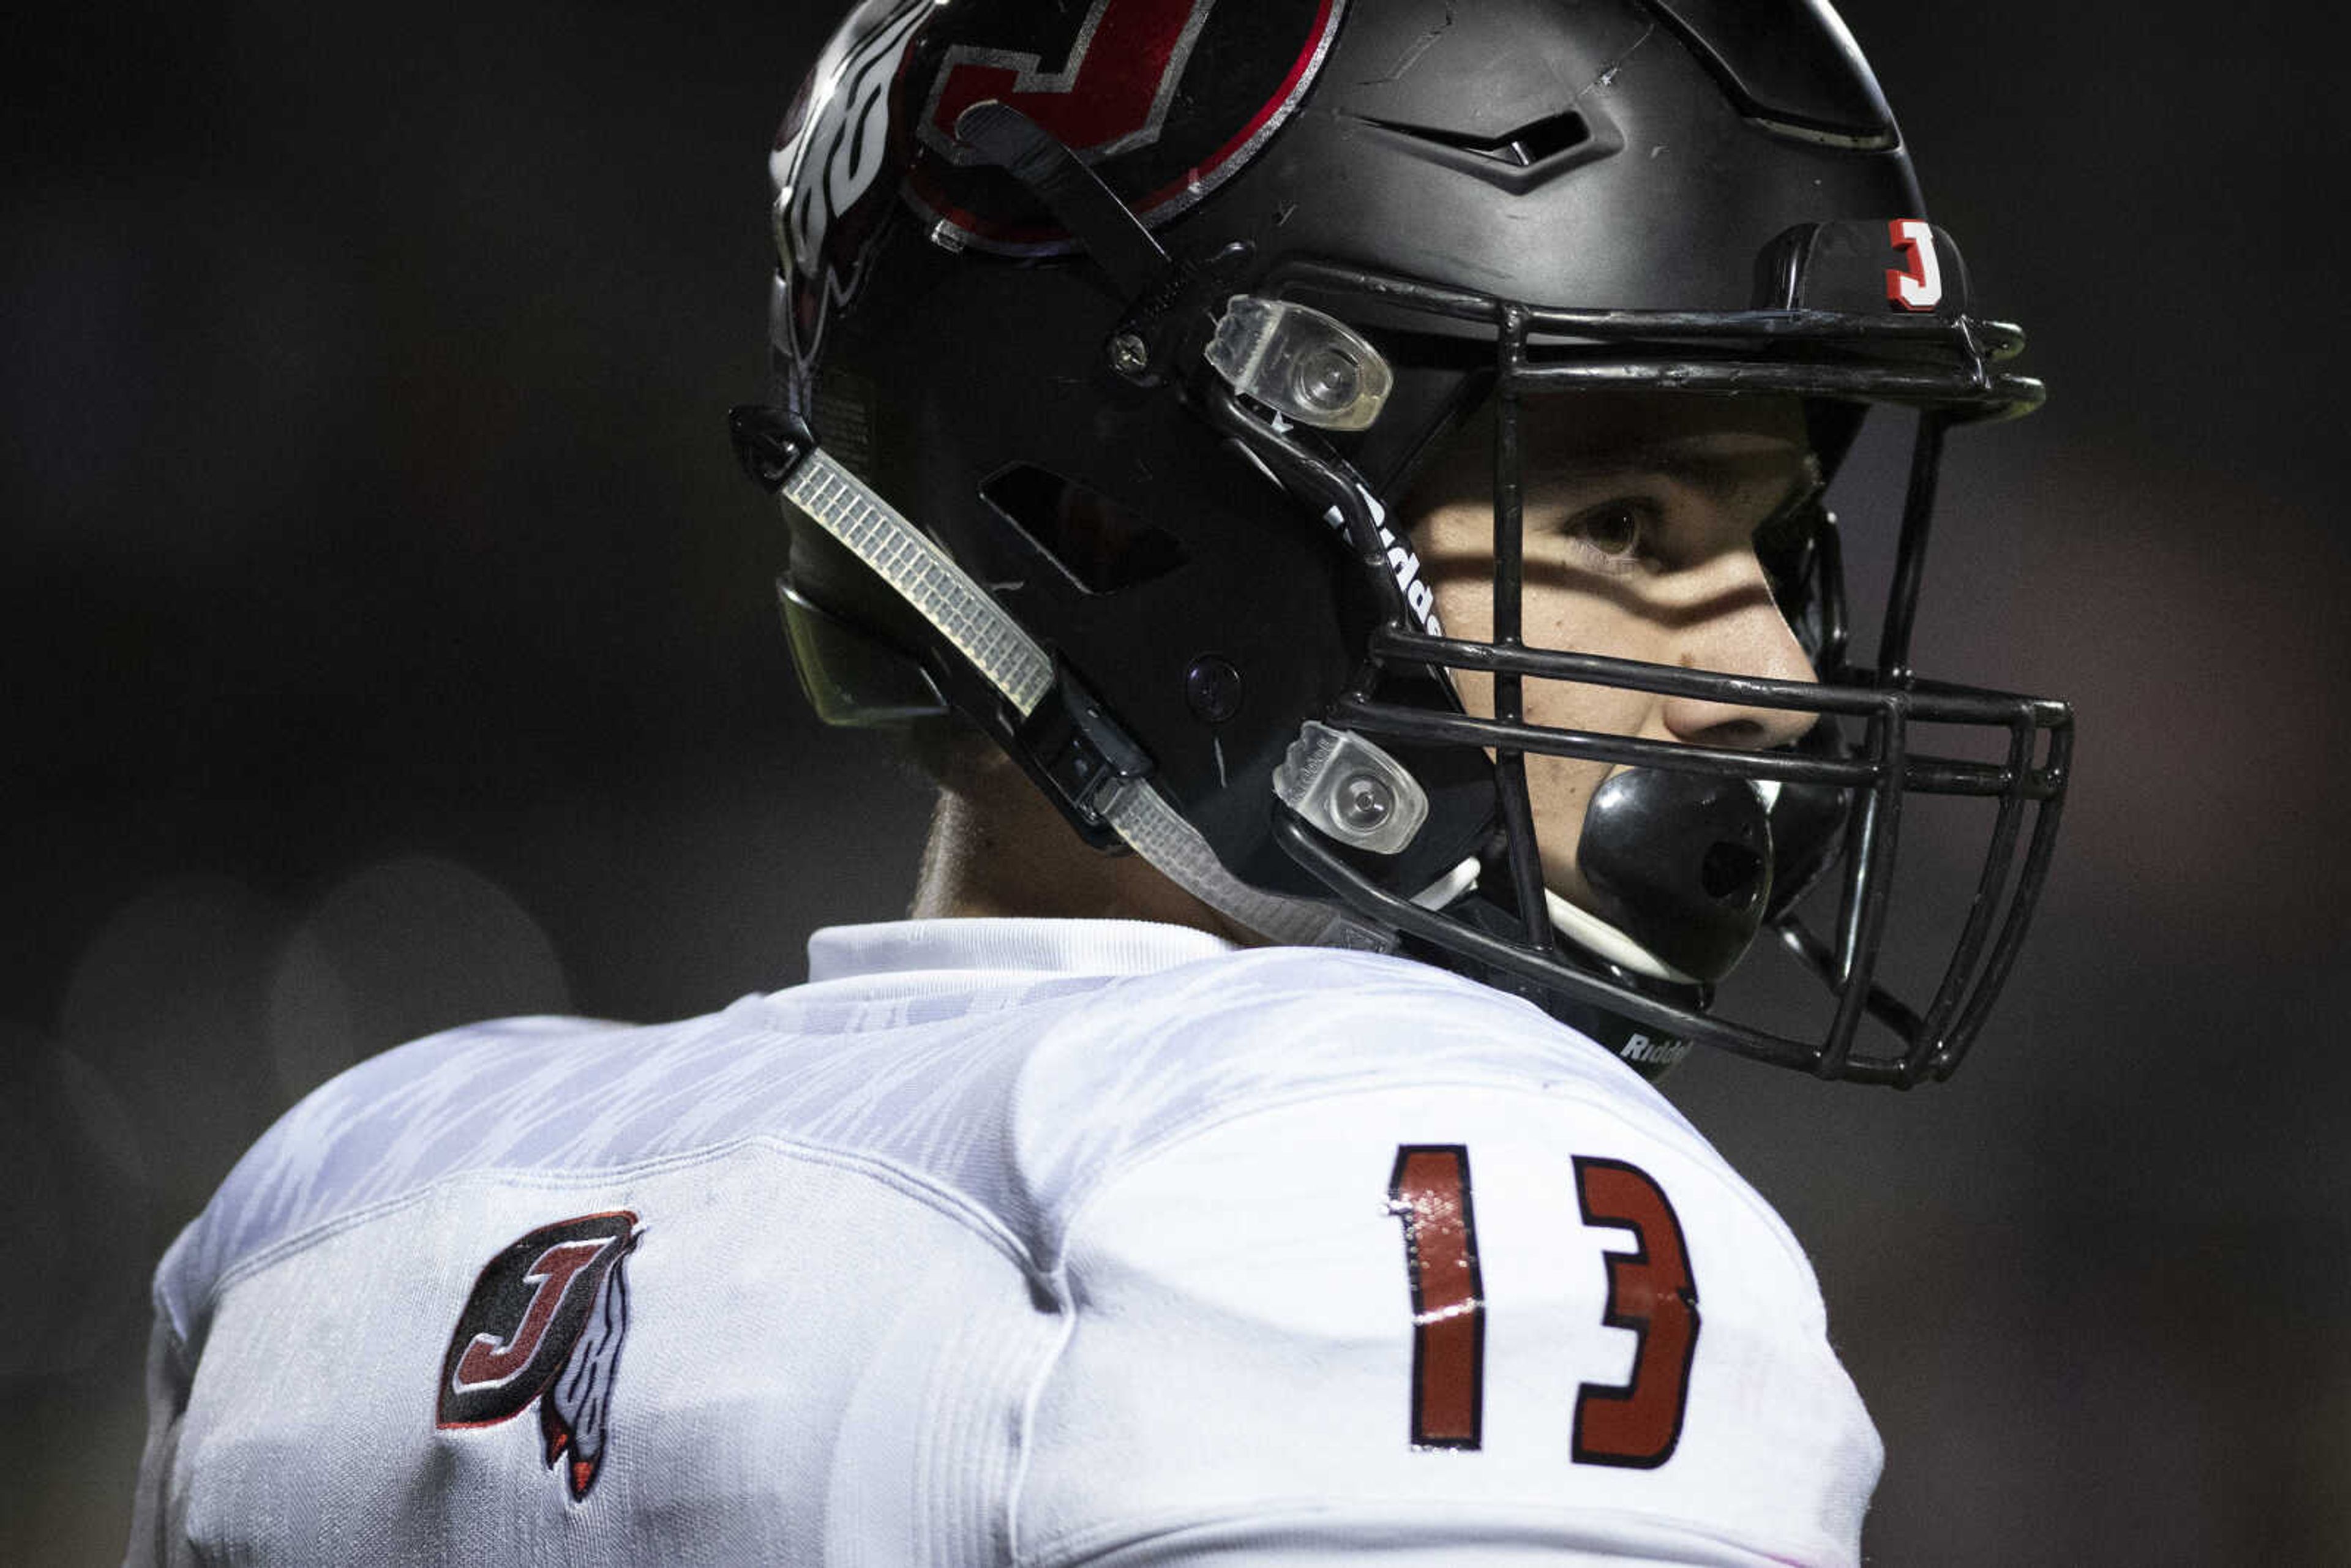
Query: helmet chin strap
{"type": "Point", "coordinates": [1579, 926]}
{"type": "Point", "coordinates": [1588, 931]}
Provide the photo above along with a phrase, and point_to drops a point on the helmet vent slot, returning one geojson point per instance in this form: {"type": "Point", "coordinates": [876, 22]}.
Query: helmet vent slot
{"type": "Point", "coordinates": [1524, 148]}
{"type": "Point", "coordinates": [1098, 545]}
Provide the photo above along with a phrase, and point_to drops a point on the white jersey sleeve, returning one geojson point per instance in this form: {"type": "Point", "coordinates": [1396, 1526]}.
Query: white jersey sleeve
{"type": "Point", "coordinates": [1452, 1324]}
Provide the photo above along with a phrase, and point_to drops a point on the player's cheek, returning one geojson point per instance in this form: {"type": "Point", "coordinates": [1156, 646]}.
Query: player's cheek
{"type": "Point", "coordinates": [1559, 790]}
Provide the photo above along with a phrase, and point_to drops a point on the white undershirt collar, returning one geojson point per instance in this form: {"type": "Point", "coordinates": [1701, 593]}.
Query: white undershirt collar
{"type": "Point", "coordinates": [1006, 947]}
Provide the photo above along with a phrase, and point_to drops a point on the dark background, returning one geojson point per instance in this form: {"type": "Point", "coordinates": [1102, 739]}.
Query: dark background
{"type": "Point", "coordinates": [388, 641]}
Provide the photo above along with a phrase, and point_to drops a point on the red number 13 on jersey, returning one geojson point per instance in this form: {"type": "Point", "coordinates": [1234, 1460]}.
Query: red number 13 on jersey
{"type": "Point", "coordinates": [1651, 1292]}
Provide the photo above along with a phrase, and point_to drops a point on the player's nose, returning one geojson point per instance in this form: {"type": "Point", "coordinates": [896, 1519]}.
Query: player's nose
{"type": "Point", "coordinates": [1741, 633]}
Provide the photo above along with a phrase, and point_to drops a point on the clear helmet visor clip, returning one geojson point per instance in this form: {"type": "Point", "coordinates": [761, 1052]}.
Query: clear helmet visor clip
{"type": "Point", "coordinates": [1305, 366]}
{"type": "Point", "coordinates": [1350, 790]}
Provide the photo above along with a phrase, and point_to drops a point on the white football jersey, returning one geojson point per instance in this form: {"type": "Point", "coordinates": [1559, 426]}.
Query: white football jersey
{"type": "Point", "coordinates": [1002, 1242]}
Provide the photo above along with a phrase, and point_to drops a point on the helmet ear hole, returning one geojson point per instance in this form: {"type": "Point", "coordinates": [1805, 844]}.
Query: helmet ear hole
{"type": "Point", "coordinates": [1097, 544]}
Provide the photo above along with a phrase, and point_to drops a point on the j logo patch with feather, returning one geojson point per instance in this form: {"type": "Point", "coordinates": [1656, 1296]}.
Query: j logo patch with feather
{"type": "Point", "coordinates": [545, 1323]}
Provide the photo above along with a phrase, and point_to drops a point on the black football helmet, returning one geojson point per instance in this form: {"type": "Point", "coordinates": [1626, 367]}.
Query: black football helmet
{"type": "Point", "coordinates": [1105, 335]}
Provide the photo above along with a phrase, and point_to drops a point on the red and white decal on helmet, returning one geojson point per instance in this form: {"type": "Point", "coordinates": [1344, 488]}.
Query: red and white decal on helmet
{"type": "Point", "coordinates": [1110, 96]}
{"type": "Point", "coordinates": [1919, 285]}
{"type": "Point", "coordinates": [828, 164]}
{"type": "Point", "coordinates": [1167, 99]}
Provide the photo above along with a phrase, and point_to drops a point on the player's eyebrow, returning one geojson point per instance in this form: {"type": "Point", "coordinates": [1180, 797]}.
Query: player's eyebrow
{"type": "Point", "coordinates": [1719, 474]}
{"type": "Point", "coordinates": [1724, 478]}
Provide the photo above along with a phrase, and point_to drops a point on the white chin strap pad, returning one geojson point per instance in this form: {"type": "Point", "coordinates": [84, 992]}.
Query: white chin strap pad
{"type": "Point", "coordinates": [1578, 924]}
{"type": "Point", "coordinates": [1587, 930]}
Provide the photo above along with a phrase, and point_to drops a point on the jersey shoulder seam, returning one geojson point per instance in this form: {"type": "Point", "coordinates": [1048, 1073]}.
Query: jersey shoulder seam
{"type": "Point", "coordinates": [945, 1200]}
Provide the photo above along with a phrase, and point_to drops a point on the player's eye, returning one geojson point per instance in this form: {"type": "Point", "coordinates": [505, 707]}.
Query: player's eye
{"type": "Point", "coordinates": [1616, 535]}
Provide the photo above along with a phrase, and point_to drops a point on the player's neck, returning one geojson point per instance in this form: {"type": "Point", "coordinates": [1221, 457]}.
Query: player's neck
{"type": "Point", "coordinates": [998, 847]}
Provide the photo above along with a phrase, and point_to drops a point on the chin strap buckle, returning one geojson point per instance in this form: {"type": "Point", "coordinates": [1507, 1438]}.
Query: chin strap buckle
{"type": "Point", "coordinates": [1082, 751]}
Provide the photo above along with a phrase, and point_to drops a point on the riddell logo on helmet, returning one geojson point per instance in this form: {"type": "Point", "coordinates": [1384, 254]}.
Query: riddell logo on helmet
{"type": "Point", "coordinates": [1419, 596]}
{"type": "Point", "coordinates": [1650, 1053]}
